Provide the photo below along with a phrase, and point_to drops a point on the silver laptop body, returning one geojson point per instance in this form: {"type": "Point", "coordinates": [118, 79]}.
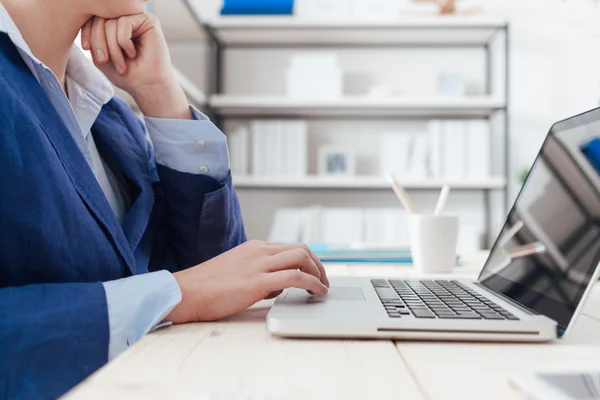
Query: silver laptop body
{"type": "Point", "coordinates": [531, 289]}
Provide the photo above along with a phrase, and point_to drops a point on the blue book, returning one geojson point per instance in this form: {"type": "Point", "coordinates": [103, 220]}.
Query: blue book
{"type": "Point", "coordinates": [257, 7]}
{"type": "Point", "coordinates": [591, 151]}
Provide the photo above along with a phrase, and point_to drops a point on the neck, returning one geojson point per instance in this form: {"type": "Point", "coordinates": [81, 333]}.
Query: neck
{"type": "Point", "coordinates": [49, 29]}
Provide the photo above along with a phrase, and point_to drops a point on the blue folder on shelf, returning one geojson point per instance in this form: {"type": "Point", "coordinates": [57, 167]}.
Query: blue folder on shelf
{"type": "Point", "coordinates": [591, 150]}
{"type": "Point", "coordinates": [257, 7]}
{"type": "Point", "coordinates": [350, 255]}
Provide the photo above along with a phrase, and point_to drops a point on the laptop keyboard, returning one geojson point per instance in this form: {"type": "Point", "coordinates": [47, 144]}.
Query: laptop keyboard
{"type": "Point", "coordinates": [436, 299]}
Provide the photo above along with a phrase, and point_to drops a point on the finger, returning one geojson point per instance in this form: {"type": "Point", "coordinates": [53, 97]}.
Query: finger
{"type": "Point", "coordinates": [125, 33]}
{"type": "Point", "coordinates": [293, 259]}
{"type": "Point", "coordinates": [278, 248]}
{"type": "Point", "coordinates": [86, 35]}
{"type": "Point", "coordinates": [137, 25]}
{"type": "Point", "coordinates": [274, 295]}
{"type": "Point", "coordinates": [114, 49]}
{"type": "Point", "coordinates": [98, 40]}
{"type": "Point", "coordinates": [293, 278]}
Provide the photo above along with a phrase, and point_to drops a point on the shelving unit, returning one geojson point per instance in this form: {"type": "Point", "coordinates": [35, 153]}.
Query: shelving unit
{"type": "Point", "coordinates": [254, 106]}
{"type": "Point", "coordinates": [258, 33]}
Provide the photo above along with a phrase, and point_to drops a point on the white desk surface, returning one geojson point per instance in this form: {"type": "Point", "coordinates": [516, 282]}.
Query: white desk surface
{"type": "Point", "coordinates": [237, 356]}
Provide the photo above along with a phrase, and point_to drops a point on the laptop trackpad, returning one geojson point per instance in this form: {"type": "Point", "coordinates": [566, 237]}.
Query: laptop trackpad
{"type": "Point", "coordinates": [336, 293]}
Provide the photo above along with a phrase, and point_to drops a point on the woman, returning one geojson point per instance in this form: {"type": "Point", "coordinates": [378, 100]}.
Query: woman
{"type": "Point", "coordinates": [104, 237]}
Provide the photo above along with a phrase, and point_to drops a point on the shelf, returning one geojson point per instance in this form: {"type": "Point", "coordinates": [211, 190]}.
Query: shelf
{"type": "Point", "coordinates": [362, 182]}
{"type": "Point", "coordinates": [289, 31]}
{"type": "Point", "coordinates": [260, 106]}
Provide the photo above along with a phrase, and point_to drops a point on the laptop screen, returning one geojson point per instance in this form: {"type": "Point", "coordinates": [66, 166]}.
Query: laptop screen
{"type": "Point", "coordinates": [549, 249]}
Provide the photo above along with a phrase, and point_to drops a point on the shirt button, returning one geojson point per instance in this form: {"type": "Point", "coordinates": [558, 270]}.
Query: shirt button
{"type": "Point", "coordinates": [204, 169]}
{"type": "Point", "coordinates": [200, 144]}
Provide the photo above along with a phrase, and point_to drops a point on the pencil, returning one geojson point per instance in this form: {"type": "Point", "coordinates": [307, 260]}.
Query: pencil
{"type": "Point", "coordinates": [401, 194]}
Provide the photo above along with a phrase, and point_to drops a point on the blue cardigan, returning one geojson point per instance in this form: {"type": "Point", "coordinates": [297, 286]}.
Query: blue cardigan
{"type": "Point", "coordinates": [59, 238]}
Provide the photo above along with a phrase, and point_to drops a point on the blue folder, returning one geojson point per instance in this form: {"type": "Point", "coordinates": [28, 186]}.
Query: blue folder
{"type": "Point", "coordinates": [257, 7]}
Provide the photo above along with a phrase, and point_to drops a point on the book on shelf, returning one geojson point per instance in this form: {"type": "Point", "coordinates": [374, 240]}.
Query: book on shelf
{"type": "Point", "coordinates": [479, 145]}
{"type": "Point", "coordinates": [419, 159]}
{"type": "Point", "coordinates": [238, 143]}
{"type": "Point", "coordinates": [455, 159]}
{"type": "Point", "coordinates": [460, 149]}
{"type": "Point", "coordinates": [279, 148]}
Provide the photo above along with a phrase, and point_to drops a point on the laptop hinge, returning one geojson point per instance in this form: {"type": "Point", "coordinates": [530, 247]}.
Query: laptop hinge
{"type": "Point", "coordinates": [521, 307]}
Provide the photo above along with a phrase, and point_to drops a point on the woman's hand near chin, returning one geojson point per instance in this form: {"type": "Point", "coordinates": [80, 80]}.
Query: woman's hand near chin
{"type": "Point", "coordinates": [132, 52]}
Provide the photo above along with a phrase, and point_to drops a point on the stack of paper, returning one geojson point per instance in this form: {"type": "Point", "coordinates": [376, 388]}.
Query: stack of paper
{"type": "Point", "coordinates": [279, 148]}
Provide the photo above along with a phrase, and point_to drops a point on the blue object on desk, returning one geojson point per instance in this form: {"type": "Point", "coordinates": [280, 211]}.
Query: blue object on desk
{"type": "Point", "coordinates": [257, 7]}
{"type": "Point", "coordinates": [592, 153]}
{"type": "Point", "coordinates": [349, 255]}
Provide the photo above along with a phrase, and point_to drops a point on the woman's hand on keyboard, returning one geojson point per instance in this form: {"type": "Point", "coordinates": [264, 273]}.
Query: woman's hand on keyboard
{"type": "Point", "coordinates": [236, 280]}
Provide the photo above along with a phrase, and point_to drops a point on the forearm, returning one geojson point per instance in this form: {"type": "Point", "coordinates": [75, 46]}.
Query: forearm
{"type": "Point", "coordinates": [164, 100]}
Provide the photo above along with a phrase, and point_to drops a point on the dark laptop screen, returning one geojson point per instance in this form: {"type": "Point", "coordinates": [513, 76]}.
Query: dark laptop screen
{"type": "Point", "coordinates": [550, 246]}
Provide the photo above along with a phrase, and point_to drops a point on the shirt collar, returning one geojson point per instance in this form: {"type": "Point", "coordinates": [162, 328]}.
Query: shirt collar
{"type": "Point", "coordinates": [88, 88]}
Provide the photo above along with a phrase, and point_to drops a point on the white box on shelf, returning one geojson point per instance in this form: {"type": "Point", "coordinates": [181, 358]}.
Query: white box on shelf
{"type": "Point", "coordinates": [479, 149]}
{"type": "Point", "coordinates": [395, 154]}
{"type": "Point", "coordinates": [322, 9]}
{"type": "Point", "coordinates": [375, 9]}
{"type": "Point", "coordinates": [315, 75]}
{"type": "Point", "coordinates": [239, 150]}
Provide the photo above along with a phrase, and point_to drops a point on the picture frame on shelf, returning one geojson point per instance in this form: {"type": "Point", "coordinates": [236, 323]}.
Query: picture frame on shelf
{"type": "Point", "coordinates": [336, 161]}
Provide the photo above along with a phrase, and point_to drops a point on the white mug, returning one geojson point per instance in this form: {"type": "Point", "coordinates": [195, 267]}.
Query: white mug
{"type": "Point", "coordinates": [433, 241]}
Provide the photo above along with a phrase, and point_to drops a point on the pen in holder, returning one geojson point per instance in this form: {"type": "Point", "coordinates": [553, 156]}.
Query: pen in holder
{"type": "Point", "coordinates": [433, 237]}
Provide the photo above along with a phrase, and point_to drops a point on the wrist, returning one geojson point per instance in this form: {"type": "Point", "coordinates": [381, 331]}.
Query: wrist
{"type": "Point", "coordinates": [165, 99]}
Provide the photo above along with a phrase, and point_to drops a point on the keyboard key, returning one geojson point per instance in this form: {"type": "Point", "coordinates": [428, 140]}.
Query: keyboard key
{"type": "Point", "coordinates": [459, 316]}
{"type": "Point", "coordinates": [423, 314]}
{"type": "Point", "coordinates": [379, 283]}
{"type": "Point", "coordinates": [386, 293]}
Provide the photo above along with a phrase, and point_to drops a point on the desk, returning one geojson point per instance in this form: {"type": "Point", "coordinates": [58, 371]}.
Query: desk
{"type": "Point", "coordinates": [238, 356]}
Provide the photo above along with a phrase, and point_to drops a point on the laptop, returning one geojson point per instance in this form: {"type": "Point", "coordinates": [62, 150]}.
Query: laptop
{"type": "Point", "coordinates": [532, 288]}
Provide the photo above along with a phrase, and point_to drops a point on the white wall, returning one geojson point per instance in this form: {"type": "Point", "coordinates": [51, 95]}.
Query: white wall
{"type": "Point", "coordinates": [554, 74]}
